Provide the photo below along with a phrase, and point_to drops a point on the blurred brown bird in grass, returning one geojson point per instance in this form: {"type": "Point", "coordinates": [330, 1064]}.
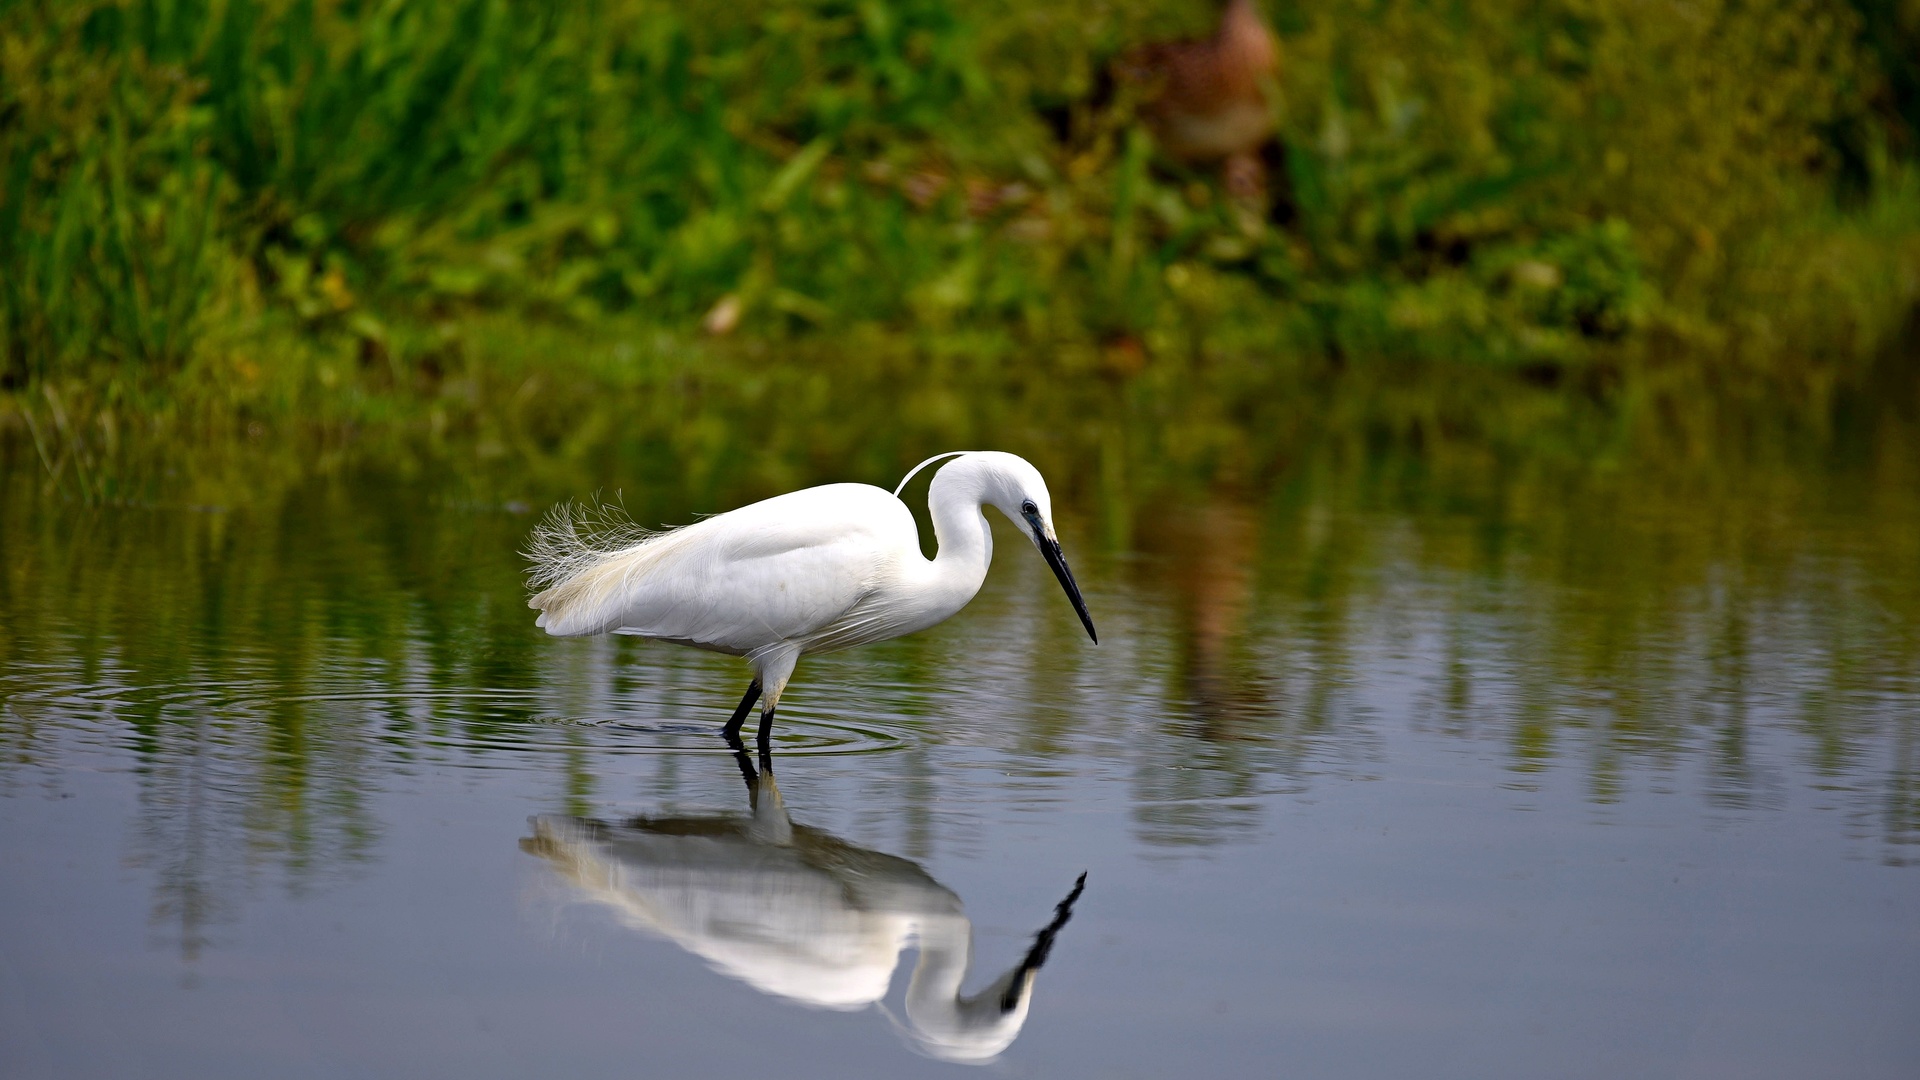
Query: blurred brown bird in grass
{"type": "Point", "coordinates": [1205, 101]}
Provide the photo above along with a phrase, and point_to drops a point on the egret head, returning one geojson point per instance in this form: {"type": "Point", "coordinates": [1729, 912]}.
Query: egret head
{"type": "Point", "coordinates": [1016, 487]}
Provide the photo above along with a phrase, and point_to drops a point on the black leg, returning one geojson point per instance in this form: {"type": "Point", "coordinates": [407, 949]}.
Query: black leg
{"type": "Point", "coordinates": [766, 737]}
{"type": "Point", "coordinates": [732, 731]}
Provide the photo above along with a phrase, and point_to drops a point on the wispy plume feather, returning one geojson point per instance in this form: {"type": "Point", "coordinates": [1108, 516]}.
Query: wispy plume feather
{"type": "Point", "coordinates": [577, 537]}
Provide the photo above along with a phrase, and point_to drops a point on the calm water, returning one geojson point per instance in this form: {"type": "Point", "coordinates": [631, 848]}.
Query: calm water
{"type": "Point", "coordinates": [1485, 778]}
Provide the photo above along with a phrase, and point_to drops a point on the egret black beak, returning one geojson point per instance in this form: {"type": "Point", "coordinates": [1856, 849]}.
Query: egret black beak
{"type": "Point", "coordinates": [1050, 550]}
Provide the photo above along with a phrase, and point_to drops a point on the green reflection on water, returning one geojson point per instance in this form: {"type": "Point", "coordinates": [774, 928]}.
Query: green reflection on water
{"type": "Point", "coordinates": [270, 662]}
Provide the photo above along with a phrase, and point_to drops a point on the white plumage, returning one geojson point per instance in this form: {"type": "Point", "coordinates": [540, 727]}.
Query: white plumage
{"type": "Point", "coordinates": [817, 570]}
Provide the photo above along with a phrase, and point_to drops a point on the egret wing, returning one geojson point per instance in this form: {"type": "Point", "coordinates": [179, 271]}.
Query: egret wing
{"type": "Point", "coordinates": [775, 571]}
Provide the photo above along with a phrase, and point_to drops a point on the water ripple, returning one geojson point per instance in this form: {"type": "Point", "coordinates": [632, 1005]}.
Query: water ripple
{"type": "Point", "coordinates": [482, 726]}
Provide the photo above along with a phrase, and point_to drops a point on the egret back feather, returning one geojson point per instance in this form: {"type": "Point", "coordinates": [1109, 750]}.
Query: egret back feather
{"type": "Point", "coordinates": [745, 582]}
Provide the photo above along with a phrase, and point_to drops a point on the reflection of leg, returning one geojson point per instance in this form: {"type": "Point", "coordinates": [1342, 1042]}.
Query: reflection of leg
{"type": "Point", "coordinates": [741, 759]}
{"type": "Point", "coordinates": [732, 731]}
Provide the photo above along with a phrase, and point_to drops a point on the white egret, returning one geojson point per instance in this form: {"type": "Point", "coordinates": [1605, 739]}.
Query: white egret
{"type": "Point", "coordinates": [811, 571]}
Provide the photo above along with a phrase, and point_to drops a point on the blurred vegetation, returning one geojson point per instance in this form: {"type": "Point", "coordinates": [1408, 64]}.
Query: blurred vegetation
{"type": "Point", "coordinates": [354, 213]}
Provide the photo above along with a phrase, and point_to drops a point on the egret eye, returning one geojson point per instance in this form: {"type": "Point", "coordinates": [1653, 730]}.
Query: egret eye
{"type": "Point", "coordinates": [1028, 507]}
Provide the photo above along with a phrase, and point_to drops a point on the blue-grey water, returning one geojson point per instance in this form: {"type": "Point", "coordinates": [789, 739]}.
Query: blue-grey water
{"type": "Point", "coordinates": [1529, 783]}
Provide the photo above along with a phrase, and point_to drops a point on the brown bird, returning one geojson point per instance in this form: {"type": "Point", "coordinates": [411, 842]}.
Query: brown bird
{"type": "Point", "coordinates": [1205, 101]}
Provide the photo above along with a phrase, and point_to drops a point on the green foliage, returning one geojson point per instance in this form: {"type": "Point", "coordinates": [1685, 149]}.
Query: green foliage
{"type": "Point", "coordinates": [273, 190]}
{"type": "Point", "coordinates": [108, 219]}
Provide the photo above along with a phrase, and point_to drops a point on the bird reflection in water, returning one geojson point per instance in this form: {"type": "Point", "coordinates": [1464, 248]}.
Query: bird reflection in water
{"type": "Point", "coordinates": [800, 914]}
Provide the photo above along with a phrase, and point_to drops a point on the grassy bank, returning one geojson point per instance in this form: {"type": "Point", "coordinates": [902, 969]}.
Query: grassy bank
{"type": "Point", "coordinates": [536, 417]}
{"type": "Point", "coordinates": [348, 215]}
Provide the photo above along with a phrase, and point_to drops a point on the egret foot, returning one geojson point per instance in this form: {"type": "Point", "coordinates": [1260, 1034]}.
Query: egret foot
{"type": "Point", "coordinates": [745, 761]}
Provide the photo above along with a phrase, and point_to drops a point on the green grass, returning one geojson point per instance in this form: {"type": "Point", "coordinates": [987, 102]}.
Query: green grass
{"type": "Point", "coordinates": [349, 214]}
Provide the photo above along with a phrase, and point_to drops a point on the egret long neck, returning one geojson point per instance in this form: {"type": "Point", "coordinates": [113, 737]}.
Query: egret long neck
{"type": "Point", "coordinates": [961, 531]}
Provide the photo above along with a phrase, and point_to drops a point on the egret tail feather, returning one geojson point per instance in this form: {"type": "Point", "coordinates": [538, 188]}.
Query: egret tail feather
{"type": "Point", "coordinates": [577, 537]}
{"type": "Point", "coordinates": [581, 555]}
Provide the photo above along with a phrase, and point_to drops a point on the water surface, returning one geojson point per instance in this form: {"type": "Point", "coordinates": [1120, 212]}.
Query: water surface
{"type": "Point", "coordinates": [1366, 778]}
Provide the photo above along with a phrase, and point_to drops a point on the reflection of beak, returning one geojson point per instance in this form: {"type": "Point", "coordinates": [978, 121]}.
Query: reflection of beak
{"type": "Point", "coordinates": [1022, 975]}
{"type": "Point", "coordinates": [1050, 549]}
